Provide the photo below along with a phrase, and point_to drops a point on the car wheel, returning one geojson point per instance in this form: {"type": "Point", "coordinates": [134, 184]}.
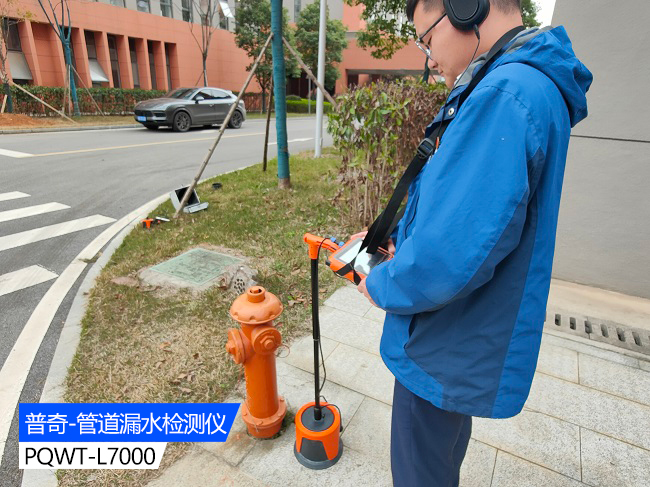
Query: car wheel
{"type": "Point", "coordinates": [151, 127]}
{"type": "Point", "coordinates": [182, 122]}
{"type": "Point", "coordinates": [236, 120]}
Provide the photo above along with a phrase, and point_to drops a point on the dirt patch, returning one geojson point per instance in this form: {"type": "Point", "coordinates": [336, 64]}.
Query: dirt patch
{"type": "Point", "coordinates": [16, 120]}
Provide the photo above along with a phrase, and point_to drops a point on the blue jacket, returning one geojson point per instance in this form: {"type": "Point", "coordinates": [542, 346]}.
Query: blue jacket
{"type": "Point", "coordinates": [466, 291]}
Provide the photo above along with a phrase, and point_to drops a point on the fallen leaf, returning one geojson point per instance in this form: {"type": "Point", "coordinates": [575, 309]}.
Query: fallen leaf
{"type": "Point", "coordinates": [196, 355]}
{"type": "Point", "coordinates": [181, 376]}
{"type": "Point", "coordinates": [164, 344]}
{"type": "Point", "coordinates": [296, 272]}
{"type": "Point", "coordinates": [185, 390]}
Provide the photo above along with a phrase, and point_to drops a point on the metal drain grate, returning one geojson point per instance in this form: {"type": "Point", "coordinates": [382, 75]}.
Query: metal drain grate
{"type": "Point", "coordinates": [616, 334]}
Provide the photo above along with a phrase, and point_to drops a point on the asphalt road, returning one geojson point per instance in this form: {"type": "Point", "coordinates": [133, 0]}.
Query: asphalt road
{"type": "Point", "coordinates": [99, 176]}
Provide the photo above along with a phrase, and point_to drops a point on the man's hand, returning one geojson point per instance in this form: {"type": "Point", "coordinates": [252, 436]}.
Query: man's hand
{"type": "Point", "coordinates": [363, 290]}
{"type": "Point", "coordinates": [390, 246]}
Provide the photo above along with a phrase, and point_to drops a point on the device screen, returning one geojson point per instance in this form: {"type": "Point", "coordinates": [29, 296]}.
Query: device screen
{"type": "Point", "coordinates": [365, 261]}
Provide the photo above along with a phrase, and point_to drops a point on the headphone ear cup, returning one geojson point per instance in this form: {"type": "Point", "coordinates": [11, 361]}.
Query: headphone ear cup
{"type": "Point", "coordinates": [465, 14]}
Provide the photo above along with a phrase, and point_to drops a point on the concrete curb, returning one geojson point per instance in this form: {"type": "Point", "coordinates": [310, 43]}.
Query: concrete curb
{"type": "Point", "coordinates": [66, 347]}
{"type": "Point", "coordinates": [74, 128]}
{"type": "Point", "coordinates": [69, 129]}
{"type": "Point", "coordinates": [71, 334]}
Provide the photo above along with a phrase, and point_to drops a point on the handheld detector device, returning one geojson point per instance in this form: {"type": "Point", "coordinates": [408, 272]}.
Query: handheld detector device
{"type": "Point", "coordinates": [364, 262]}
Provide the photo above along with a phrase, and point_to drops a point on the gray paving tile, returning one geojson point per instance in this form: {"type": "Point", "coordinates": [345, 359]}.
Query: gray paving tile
{"type": "Point", "coordinates": [350, 329]}
{"type": "Point", "coordinates": [376, 314]}
{"type": "Point", "coordinates": [361, 371]}
{"type": "Point", "coordinates": [627, 382]}
{"type": "Point", "coordinates": [301, 352]}
{"type": "Point", "coordinates": [607, 462]}
{"type": "Point", "coordinates": [558, 361]}
{"type": "Point", "coordinates": [610, 415]}
{"type": "Point", "coordinates": [273, 462]}
{"type": "Point", "coordinates": [478, 465]}
{"type": "Point", "coordinates": [369, 430]}
{"type": "Point", "coordinates": [238, 444]}
{"type": "Point", "coordinates": [511, 471]}
{"type": "Point", "coordinates": [350, 300]}
{"type": "Point", "coordinates": [589, 349]}
{"type": "Point", "coordinates": [644, 365]}
{"type": "Point", "coordinates": [297, 388]}
{"type": "Point", "coordinates": [543, 440]}
{"type": "Point", "coordinates": [201, 469]}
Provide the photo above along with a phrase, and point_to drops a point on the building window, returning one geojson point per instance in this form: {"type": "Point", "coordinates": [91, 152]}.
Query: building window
{"type": "Point", "coordinates": [226, 17]}
{"type": "Point", "coordinates": [118, 3]}
{"type": "Point", "coordinates": [166, 8]}
{"type": "Point", "coordinates": [169, 66]}
{"type": "Point", "coordinates": [186, 8]}
{"type": "Point", "coordinates": [296, 10]}
{"type": "Point", "coordinates": [97, 74]}
{"type": "Point", "coordinates": [152, 65]}
{"type": "Point", "coordinates": [20, 72]}
{"type": "Point", "coordinates": [134, 63]}
{"type": "Point", "coordinates": [143, 6]}
{"type": "Point", "coordinates": [115, 65]}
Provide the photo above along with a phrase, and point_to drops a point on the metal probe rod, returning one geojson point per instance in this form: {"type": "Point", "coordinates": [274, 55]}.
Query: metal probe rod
{"type": "Point", "coordinates": [316, 334]}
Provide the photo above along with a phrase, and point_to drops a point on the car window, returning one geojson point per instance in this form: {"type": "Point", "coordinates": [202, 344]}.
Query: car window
{"type": "Point", "coordinates": [181, 93]}
{"type": "Point", "coordinates": [220, 94]}
{"type": "Point", "coordinates": [206, 94]}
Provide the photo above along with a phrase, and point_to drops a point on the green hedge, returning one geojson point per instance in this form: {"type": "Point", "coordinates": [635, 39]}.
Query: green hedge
{"type": "Point", "coordinates": [302, 106]}
{"type": "Point", "coordinates": [112, 101]}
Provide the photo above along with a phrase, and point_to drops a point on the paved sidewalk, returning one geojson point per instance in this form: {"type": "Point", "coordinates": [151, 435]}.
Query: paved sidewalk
{"type": "Point", "coordinates": [586, 421]}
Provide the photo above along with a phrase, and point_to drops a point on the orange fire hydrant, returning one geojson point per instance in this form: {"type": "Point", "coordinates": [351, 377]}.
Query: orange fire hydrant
{"type": "Point", "coordinates": [254, 346]}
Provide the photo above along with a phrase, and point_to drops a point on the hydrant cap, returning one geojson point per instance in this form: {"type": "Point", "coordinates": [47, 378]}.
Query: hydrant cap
{"type": "Point", "coordinates": [256, 306]}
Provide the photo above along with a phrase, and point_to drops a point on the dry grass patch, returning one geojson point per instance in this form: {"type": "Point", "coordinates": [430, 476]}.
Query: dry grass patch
{"type": "Point", "coordinates": [138, 345]}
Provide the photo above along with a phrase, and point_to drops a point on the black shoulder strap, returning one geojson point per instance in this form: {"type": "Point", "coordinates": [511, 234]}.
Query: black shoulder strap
{"type": "Point", "coordinates": [385, 223]}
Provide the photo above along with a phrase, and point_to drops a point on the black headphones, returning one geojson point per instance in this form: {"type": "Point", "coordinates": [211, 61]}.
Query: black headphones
{"type": "Point", "coordinates": [467, 14]}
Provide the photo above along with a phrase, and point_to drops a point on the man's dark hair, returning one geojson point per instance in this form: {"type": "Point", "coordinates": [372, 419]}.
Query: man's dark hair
{"type": "Point", "coordinates": [502, 5]}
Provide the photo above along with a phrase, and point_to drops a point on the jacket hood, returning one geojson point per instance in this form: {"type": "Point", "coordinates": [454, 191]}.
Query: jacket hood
{"type": "Point", "coordinates": [548, 50]}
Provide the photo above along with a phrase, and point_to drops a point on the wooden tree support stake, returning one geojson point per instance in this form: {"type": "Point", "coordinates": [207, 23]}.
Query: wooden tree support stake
{"type": "Point", "coordinates": [38, 99]}
{"type": "Point", "coordinates": [190, 190]}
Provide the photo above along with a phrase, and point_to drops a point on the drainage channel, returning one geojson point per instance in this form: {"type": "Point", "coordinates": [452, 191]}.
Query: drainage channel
{"type": "Point", "coordinates": [616, 334]}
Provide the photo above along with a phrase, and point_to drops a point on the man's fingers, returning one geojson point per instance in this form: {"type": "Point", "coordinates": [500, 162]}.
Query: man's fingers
{"type": "Point", "coordinates": [359, 235]}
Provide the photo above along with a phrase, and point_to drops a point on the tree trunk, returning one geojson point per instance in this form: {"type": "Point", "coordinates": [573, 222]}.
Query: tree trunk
{"type": "Point", "coordinates": [73, 88]}
{"type": "Point", "coordinates": [205, 71]}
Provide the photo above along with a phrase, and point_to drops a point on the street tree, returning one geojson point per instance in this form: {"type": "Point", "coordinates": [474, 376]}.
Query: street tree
{"type": "Point", "coordinates": [63, 28]}
{"type": "Point", "coordinates": [253, 19]}
{"type": "Point", "coordinates": [387, 29]}
{"type": "Point", "coordinates": [11, 14]}
{"type": "Point", "coordinates": [207, 10]}
{"type": "Point", "coordinates": [307, 42]}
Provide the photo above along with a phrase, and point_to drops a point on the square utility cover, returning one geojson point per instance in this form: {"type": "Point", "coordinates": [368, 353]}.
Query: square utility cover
{"type": "Point", "coordinates": [197, 266]}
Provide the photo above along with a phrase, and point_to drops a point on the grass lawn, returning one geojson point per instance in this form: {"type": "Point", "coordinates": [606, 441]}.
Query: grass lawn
{"type": "Point", "coordinates": [142, 345]}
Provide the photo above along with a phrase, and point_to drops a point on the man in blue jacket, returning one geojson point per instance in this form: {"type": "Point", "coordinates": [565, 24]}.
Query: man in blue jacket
{"type": "Point", "coordinates": [466, 291]}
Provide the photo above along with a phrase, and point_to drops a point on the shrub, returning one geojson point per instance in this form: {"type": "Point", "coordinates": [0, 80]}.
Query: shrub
{"type": "Point", "coordinates": [293, 98]}
{"type": "Point", "coordinates": [303, 107]}
{"type": "Point", "coordinates": [112, 101]}
{"type": "Point", "coordinates": [377, 129]}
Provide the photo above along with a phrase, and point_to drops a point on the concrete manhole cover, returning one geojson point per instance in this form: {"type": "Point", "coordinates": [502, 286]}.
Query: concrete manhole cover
{"type": "Point", "coordinates": [199, 269]}
{"type": "Point", "coordinates": [198, 266]}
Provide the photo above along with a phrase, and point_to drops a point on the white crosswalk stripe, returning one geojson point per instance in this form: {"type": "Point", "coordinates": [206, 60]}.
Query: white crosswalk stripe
{"type": "Point", "coordinates": [24, 278]}
{"type": "Point", "coordinates": [6, 216]}
{"type": "Point", "coordinates": [14, 195]}
{"type": "Point", "coordinates": [44, 233]}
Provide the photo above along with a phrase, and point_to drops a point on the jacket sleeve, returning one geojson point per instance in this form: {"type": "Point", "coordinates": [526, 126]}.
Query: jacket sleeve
{"type": "Point", "coordinates": [471, 208]}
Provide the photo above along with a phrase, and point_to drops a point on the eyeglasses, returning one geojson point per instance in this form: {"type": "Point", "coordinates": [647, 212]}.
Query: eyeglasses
{"type": "Point", "coordinates": [420, 40]}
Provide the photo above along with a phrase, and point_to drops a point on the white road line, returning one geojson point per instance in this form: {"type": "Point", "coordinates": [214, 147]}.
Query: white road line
{"type": "Point", "coordinates": [24, 278]}
{"type": "Point", "coordinates": [43, 233]}
{"type": "Point", "coordinates": [14, 195]}
{"type": "Point", "coordinates": [5, 216]}
{"type": "Point", "coordinates": [14, 154]}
